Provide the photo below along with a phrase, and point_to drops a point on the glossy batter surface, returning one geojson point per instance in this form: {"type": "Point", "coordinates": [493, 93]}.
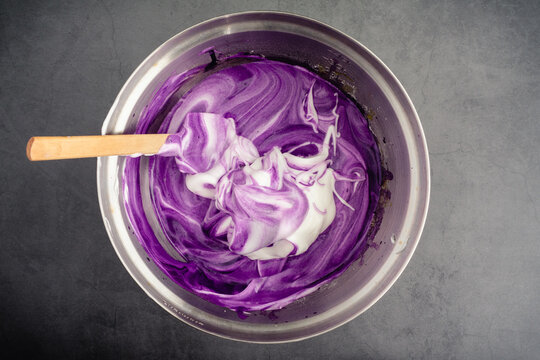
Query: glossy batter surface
{"type": "Point", "coordinates": [282, 111]}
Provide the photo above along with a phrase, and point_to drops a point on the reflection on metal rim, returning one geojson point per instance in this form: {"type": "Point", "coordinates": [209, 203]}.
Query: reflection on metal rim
{"type": "Point", "coordinates": [393, 119]}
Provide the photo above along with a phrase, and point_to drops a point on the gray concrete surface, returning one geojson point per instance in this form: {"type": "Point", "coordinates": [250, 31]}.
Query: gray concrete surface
{"type": "Point", "coordinates": [472, 290]}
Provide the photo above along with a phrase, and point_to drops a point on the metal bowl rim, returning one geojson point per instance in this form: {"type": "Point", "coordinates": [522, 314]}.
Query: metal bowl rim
{"type": "Point", "coordinates": [422, 140]}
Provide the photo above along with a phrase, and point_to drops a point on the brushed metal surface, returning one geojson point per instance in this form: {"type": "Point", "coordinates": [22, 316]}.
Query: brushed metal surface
{"type": "Point", "coordinates": [394, 119]}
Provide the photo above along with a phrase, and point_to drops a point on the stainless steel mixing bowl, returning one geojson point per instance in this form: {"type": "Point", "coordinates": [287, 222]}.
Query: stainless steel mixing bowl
{"type": "Point", "coordinates": [393, 118]}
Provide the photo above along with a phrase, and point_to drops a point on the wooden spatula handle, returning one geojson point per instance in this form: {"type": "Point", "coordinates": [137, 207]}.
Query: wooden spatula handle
{"type": "Point", "coordinates": [71, 147]}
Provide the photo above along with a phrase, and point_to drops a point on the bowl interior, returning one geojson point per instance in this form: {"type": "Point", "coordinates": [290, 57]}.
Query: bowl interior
{"type": "Point", "coordinates": [392, 119]}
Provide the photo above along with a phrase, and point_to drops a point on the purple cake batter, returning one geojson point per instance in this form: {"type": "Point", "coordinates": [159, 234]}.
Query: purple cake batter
{"type": "Point", "coordinates": [266, 192]}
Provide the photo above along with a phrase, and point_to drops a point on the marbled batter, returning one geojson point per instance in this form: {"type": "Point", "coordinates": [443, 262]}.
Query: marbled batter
{"type": "Point", "coordinates": [267, 156]}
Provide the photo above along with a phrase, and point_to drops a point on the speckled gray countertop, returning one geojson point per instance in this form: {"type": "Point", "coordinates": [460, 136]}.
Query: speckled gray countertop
{"type": "Point", "coordinates": [472, 289]}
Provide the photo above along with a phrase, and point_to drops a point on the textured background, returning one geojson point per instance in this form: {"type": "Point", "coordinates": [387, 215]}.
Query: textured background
{"type": "Point", "coordinates": [472, 289]}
